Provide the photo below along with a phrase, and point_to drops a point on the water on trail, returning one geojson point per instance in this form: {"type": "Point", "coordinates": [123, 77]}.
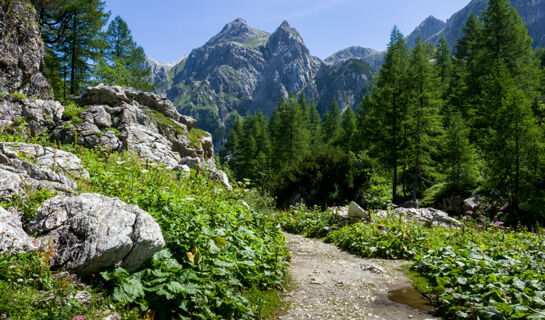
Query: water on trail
{"type": "Point", "coordinates": [329, 283]}
{"type": "Point", "coordinates": [411, 297]}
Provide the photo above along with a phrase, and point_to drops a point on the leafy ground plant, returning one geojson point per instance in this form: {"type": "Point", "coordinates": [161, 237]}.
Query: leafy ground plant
{"type": "Point", "coordinates": [29, 290]}
{"type": "Point", "coordinates": [217, 248]}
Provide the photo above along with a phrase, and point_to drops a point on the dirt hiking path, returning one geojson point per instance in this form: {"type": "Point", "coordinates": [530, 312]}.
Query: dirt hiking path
{"type": "Point", "coordinates": [333, 284]}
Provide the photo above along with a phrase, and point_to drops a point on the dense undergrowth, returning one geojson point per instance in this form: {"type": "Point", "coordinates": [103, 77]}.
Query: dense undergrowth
{"type": "Point", "coordinates": [29, 290]}
{"type": "Point", "coordinates": [480, 271]}
{"type": "Point", "coordinates": [221, 260]}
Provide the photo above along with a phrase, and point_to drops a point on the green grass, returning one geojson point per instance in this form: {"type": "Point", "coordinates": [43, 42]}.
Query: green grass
{"type": "Point", "coordinates": [30, 203]}
{"type": "Point", "coordinates": [161, 119]}
{"type": "Point", "coordinates": [270, 304]}
{"type": "Point", "coordinates": [419, 282]}
{"type": "Point", "coordinates": [114, 130]}
{"type": "Point", "coordinates": [195, 135]}
{"type": "Point", "coordinates": [18, 96]}
{"type": "Point", "coordinates": [72, 113]}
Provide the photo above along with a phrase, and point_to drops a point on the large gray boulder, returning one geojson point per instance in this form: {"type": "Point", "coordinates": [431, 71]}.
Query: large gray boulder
{"type": "Point", "coordinates": [91, 232]}
{"type": "Point", "coordinates": [22, 59]}
{"type": "Point", "coordinates": [13, 238]}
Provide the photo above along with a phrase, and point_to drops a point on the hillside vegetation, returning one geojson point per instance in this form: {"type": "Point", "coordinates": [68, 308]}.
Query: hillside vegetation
{"type": "Point", "coordinates": [219, 253]}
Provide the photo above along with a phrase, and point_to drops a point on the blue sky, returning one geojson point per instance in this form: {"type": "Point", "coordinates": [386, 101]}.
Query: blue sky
{"type": "Point", "coordinates": [168, 29]}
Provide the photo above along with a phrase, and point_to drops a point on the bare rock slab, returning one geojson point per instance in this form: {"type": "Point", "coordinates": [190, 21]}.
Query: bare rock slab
{"type": "Point", "coordinates": [91, 232]}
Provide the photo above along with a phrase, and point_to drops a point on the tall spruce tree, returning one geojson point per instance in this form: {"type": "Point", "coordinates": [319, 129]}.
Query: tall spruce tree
{"type": "Point", "coordinates": [459, 165]}
{"type": "Point", "coordinates": [513, 146]}
{"type": "Point", "coordinates": [390, 96]}
{"type": "Point", "coordinates": [443, 60]}
{"type": "Point", "coordinates": [314, 126]}
{"type": "Point", "coordinates": [348, 134]}
{"type": "Point", "coordinates": [463, 93]}
{"type": "Point", "coordinates": [503, 41]}
{"type": "Point", "coordinates": [366, 125]}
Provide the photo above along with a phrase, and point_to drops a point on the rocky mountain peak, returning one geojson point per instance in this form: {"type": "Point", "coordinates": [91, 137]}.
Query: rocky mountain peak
{"type": "Point", "coordinates": [238, 31]}
{"type": "Point", "coordinates": [285, 32]}
{"type": "Point", "coordinates": [426, 30]}
{"type": "Point", "coordinates": [373, 57]}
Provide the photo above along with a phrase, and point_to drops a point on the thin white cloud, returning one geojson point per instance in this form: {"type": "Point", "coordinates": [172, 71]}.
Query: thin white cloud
{"type": "Point", "coordinates": [326, 4]}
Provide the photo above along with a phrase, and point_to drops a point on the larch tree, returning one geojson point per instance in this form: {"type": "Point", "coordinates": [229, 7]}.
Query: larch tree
{"type": "Point", "coordinates": [424, 120]}
{"type": "Point", "coordinates": [122, 60]}
{"type": "Point", "coordinates": [390, 96]}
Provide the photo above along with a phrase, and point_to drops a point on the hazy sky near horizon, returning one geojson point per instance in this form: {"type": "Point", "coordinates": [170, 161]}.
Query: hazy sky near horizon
{"type": "Point", "coordinates": [169, 29]}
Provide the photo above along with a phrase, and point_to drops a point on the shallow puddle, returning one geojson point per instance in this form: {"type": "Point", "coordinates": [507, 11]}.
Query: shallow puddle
{"type": "Point", "coordinates": [412, 298]}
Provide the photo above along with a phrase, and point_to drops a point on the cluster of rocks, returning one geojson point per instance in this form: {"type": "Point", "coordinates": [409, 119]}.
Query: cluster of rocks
{"type": "Point", "coordinates": [39, 115]}
{"type": "Point", "coordinates": [86, 232]}
{"type": "Point", "coordinates": [146, 123]}
{"type": "Point", "coordinates": [429, 216]}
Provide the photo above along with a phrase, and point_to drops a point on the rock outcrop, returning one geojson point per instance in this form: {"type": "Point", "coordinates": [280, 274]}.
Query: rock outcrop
{"type": "Point", "coordinates": [13, 238]}
{"type": "Point", "coordinates": [46, 157]}
{"type": "Point", "coordinates": [21, 61]}
{"type": "Point", "coordinates": [39, 116]}
{"type": "Point", "coordinates": [43, 168]}
{"type": "Point", "coordinates": [146, 123]}
{"type": "Point", "coordinates": [425, 215]}
{"type": "Point", "coordinates": [91, 232]}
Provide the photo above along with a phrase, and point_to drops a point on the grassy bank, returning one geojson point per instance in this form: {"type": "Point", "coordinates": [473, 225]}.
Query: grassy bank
{"type": "Point", "coordinates": [222, 260]}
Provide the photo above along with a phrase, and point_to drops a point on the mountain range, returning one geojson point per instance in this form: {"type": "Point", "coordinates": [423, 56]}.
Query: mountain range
{"type": "Point", "coordinates": [243, 70]}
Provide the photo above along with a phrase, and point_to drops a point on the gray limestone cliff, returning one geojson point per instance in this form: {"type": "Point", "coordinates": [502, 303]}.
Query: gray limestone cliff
{"type": "Point", "coordinates": [22, 51]}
